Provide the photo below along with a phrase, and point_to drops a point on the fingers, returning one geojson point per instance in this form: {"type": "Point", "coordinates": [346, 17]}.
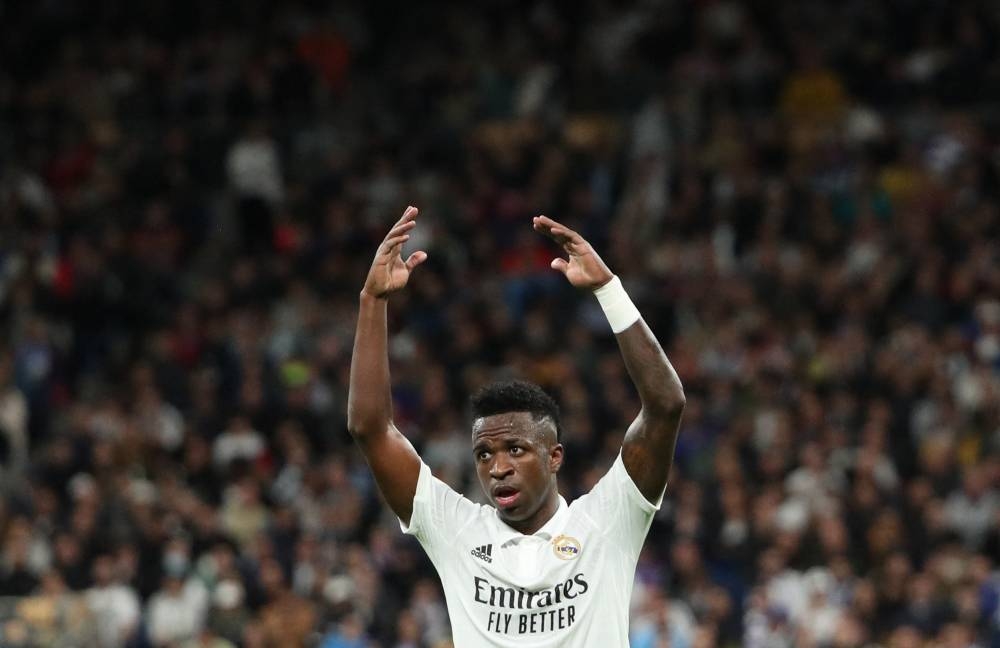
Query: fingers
{"type": "Point", "coordinates": [408, 215]}
{"type": "Point", "coordinates": [555, 230]}
{"type": "Point", "coordinates": [390, 244]}
{"type": "Point", "coordinates": [406, 221]}
{"type": "Point", "coordinates": [401, 228]}
{"type": "Point", "coordinates": [548, 222]}
{"type": "Point", "coordinates": [543, 224]}
{"type": "Point", "coordinates": [399, 232]}
{"type": "Point", "coordinates": [557, 233]}
{"type": "Point", "coordinates": [416, 259]}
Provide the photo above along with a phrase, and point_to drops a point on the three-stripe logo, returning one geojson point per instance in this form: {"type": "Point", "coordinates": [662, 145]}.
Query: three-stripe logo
{"type": "Point", "coordinates": [485, 552]}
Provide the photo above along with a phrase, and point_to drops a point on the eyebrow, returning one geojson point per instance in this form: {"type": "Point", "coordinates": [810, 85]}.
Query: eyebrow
{"type": "Point", "coordinates": [482, 440]}
{"type": "Point", "coordinates": [495, 432]}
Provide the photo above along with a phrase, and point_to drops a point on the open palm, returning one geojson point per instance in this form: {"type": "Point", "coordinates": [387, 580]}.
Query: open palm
{"type": "Point", "coordinates": [583, 268]}
{"type": "Point", "coordinates": [389, 272]}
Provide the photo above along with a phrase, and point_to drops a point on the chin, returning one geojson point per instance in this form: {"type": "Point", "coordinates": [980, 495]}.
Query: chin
{"type": "Point", "coordinates": [515, 514]}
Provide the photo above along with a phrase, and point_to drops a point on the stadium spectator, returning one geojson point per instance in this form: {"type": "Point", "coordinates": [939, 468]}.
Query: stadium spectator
{"type": "Point", "coordinates": [803, 197]}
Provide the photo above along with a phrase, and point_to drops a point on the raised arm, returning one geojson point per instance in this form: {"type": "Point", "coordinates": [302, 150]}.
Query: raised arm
{"type": "Point", "coordinates": [648, 449]}
{"type": "Point", "coordinates": [390, 455]}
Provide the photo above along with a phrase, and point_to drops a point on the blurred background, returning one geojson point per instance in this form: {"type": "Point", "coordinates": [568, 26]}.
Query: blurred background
{"type": "Point", "coordinates": [800, 196]}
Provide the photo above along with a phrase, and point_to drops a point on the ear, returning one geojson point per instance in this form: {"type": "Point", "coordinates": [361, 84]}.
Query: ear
{"type": "Point", "coordinates": [555, 458]}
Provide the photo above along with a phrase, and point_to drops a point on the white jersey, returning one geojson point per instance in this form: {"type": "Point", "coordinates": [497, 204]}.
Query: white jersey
{"type": "Point", "coordinates": [567, 585]}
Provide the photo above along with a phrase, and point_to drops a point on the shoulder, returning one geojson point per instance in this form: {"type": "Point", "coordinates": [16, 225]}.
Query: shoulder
{"type": "Point", "coordinates": [440, 510]}
{"type": "Point", "coordinates": [613, 494]}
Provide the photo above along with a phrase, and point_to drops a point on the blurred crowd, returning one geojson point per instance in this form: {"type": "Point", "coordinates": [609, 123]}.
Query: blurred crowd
{"type": "Point", "coordinates": [801, 197]}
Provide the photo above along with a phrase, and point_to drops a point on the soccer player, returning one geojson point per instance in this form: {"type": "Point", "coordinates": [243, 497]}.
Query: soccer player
{"type": "Point", "coordinates": [531, 570]}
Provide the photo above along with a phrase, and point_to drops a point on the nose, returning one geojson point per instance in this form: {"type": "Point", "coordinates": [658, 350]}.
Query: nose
{"type": "Point", "coordinates": [500, 467]}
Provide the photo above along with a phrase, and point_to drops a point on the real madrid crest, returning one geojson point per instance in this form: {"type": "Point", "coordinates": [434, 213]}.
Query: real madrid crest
{"type": "Point", "coordinates": [566, 547]}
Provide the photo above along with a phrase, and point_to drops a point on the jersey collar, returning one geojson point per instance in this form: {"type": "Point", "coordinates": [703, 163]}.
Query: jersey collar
{"type": "Point", "coordinates": [507, 535]}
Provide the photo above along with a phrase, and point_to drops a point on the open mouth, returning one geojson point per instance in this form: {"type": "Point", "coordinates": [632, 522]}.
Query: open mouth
{"type": "Point", "coordinates": [506, 496]}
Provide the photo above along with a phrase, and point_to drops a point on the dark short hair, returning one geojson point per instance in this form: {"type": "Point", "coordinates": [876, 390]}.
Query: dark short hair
{"type": "Point", "coordinates": [516, 396]}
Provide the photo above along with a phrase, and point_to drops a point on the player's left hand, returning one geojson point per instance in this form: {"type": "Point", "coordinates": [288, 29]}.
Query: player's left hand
{"type": "Point", "coordinates": [584, 268]}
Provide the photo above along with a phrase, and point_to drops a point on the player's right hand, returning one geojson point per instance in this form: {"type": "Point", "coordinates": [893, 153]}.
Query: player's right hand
{"type": "Point", "coordinates": [389, 272]}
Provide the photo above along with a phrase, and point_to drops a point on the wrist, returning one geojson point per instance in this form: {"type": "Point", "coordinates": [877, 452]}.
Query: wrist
{"type": "Point", "coordinates": [604, 282]}
{"type": "Point", "coordinates": [617, 305]}
{"type": "Point", "coordinates": [368, 296]}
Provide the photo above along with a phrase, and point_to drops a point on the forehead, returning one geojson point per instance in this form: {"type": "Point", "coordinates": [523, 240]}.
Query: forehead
{"type": "Point", "coordinates": [496, 426]}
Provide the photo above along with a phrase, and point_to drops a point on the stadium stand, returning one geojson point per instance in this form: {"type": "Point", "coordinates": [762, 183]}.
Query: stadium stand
{"type": "Point", "coordinates": [800, 196]}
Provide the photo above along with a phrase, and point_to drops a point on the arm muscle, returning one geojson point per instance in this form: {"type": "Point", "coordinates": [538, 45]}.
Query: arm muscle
{"type": "Point", "coordinates": [648, 450]}
{"type": "Point", "coordinates": [392, 458]}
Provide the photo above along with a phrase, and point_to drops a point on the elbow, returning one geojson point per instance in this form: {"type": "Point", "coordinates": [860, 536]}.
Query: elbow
{"type": "Point", "coordinates": [363, 424]}
{"type": "Point", "coordinates": [359, 425]}
{"type": "Point", "coordinates": [359, 414]}
{"type": "Point", "coordinates": [675, 405]}
{"type": "Point", "coordinates": [669, 404]}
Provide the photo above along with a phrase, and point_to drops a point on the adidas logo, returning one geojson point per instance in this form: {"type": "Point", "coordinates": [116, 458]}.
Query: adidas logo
{"type": "Point", "coordinates": [484, 552]}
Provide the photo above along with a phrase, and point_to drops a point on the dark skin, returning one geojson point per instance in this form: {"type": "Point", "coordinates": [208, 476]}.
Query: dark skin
{"type": "Point", "coordinates": [517, 458]}
{"type": "Point", "coordinates": [514, 452]}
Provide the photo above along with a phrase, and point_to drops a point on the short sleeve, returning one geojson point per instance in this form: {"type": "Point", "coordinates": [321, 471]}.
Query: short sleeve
{"type": "Point", "coordinates": [438, 513]}
{"type": "Point", "coordinates": [617, 506]}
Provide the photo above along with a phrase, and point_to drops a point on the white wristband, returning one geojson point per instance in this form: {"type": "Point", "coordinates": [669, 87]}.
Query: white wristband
{"type": "Point", "coordinates": [617, 306]}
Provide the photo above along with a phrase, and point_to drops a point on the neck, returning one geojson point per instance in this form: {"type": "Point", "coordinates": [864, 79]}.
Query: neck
{"type": "Point", "coordinates": [537, 520]}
